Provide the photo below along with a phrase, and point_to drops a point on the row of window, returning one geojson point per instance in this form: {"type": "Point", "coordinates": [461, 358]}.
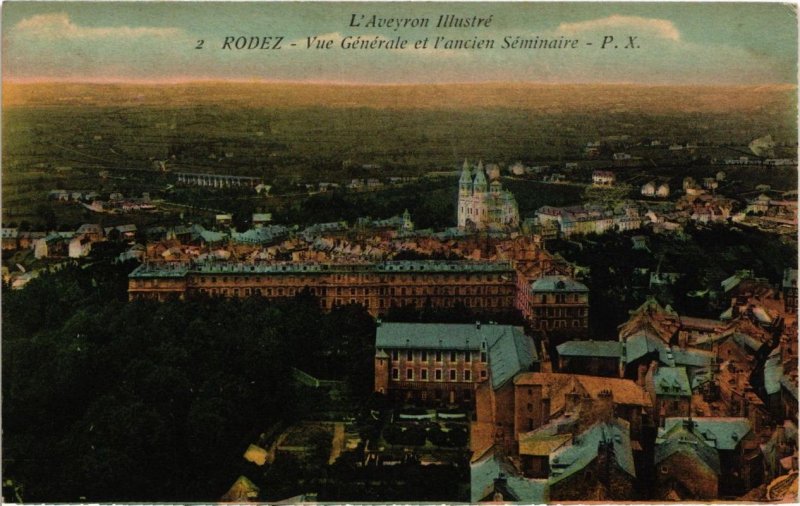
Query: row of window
{"type": "Point", "coordinates": [559, 298]}
{"type": "Point", "coordinates": [438, 355]}
{"type": "Point", "coordinates": [408, 278]}
{"type": "Point", "coordinates": [561, 311]}
{"type": "Point", "coordinates": [377, 291]}
{"type": "Point", "coordinates": [437, 375]}
{"type": "Point", "coordinates": [289, 292]}
{"type": "Point", "coordinates": [560, 324]}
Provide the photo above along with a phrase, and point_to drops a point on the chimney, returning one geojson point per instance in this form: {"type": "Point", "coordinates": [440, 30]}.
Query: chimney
{"type": "Point", "coordinates": [641, 374]}
{"type": "Point", "coordinates": [571, 401]}
{"type": "Point", "coordinates": [605, 400]}
{"type": "Point", "coordinates": [500, 481]}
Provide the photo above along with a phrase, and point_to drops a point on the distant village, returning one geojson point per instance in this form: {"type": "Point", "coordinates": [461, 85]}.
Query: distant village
{"type": "Point", "coordinates": [672, 407]}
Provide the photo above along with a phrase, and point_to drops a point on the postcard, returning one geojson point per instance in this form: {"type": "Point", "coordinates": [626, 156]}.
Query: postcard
{"type": "Point", "coordinates": [399, 252]}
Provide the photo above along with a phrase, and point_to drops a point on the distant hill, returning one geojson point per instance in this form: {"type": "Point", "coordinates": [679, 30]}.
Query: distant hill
{"type": "Point", "coordinates": [535, 97]}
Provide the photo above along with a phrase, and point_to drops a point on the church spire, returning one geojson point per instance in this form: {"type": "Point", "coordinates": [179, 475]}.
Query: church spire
{"type": "Point", "coordinates": [480, 179]}
{"type": "Point", "coordinates": [465, 183]}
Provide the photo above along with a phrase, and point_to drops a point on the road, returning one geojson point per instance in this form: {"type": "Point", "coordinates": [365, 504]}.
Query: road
{"type": "Point", "coordinates": [337, 445]}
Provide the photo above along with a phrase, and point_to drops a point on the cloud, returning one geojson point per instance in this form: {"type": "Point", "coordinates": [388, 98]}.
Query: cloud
{"type": "Point", "coordinates": [60, 26]}
{"type": "Point", "coordinates": [661, 28]}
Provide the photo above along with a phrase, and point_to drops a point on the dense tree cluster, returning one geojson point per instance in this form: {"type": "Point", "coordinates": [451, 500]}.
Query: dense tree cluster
{"type": "Point", "coordinates": [703, 256]}
{"type": "Point", "coordinates": [436, 210]}
{"type": "Point", "coordinates": [109, 400]}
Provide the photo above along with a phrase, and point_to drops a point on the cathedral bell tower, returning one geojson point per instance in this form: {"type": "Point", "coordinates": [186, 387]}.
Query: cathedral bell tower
{"type": "Point", "coordinates": [465, 183]}
{"type": "Point", "coordinates": [481, 186]}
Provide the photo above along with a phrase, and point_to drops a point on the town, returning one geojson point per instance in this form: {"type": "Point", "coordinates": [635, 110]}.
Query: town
{"type": "Point", "coordinates": [500, 360]}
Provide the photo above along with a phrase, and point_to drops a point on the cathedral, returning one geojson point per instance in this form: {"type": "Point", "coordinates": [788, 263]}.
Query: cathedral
{"type": "Point", "coordinates": [483, 204]}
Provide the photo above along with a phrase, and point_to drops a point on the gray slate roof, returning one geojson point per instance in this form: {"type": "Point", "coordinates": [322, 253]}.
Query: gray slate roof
{"type": "Point", "coordinates": [692, 357]}
{"type": "Point", "coordinates": [642, 343]}
{"type": "Point", "coordinates": [486, 470]}
{"type": "Point", "coordinates": [672, 381]}
{"type": "Point", "coordinates": [680, 439]}
{"type": "Point", "coordinates": [722, 433]}
{"type": "Point", "coordinates": [789, 278]}
{"type": "Point", "coordinates": [773, 370]}
{"type": "Point", "coordinates": [571, 459]}
{"type": "Point", "coordinates": [590, 349]}
{"type": "Point", "coordinates": [509, 349]}
{"type": "Point", "coordinates": [557, 284]}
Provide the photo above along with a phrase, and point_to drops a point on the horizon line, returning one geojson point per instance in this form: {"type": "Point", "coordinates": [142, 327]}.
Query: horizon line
{"type": "Point", "coordinates": [314, 82]}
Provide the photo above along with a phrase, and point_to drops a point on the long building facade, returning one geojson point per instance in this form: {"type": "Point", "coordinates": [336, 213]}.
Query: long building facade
{"type": "Point", "coordinates": [483, 286]}
{"type": "Point", "coordinates": [434, 363]}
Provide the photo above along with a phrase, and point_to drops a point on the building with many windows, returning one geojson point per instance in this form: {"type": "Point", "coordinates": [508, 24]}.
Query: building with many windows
{"type": "Point", "coordinates": [445, 363]}
{"type": "Point", "coordinates": [484, 286]}
{"type": "Point", "coordinates": [559, 303]}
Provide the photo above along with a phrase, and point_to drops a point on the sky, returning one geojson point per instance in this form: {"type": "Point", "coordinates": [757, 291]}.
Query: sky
{"type": "Point", "coordinates": [678, 43]}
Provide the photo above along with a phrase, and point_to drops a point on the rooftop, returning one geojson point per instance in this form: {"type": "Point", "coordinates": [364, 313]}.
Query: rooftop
{"type": "Point", "coordinates": [679, 439]}
{"type": "Point", "coordinates": [491, 467]}
{"type": "Point", "coordinates": [433, 266]}
{"type": "Point", "coordinates": [722, 433]}
{"type": "Point", "coordinates": [509, 349]}
{"type": "Point", "coordinates": [590, 349]}
{"type": "Point", "coordinates": [542, 445]}
{"type": "Point", "coordinates": [557, 385]}
{"type": "Point", "coordinates": [790, 278]}
{"type": "Point", "coordinates": [672, 381]}
{"type": "Point", "coordinates": [585, 448]}
{"type": "Point", "coordinates": [557, 284]}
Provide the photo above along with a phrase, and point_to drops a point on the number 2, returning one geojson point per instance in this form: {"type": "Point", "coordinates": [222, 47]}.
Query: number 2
{"type": "Point", "coordinates": [200, 44]}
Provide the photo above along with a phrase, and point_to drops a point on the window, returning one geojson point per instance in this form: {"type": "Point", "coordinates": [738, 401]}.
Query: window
{"type": "Point", "coordinates": [395, 355]}
{"type": "Point", "coordinates": [483, 357]}
{"type": "Point", "coordinates": [395, 373]}
{"type": "Point", "coordinates": [530, 407]}
{"type": "Point", "coordinates": [467, 375]}
{"type": "Point", "coordinates": [452, 374]}
{"type": "Point", "coordinates": [468, 356]}
{"type": "Point", "coordinates": [438, 356]}
{"type": "Point", "coordinates": [410, 374]}
{"type": "Point", "coordinates": [424, 355]}
{"type": "Point", "coordinates": [452, 356]}
{"type": "Point", "coordinates": [424, 374]}
{"type": "Point", "coordinates": [483, 374]}
{"type": "Point", "coordinates": [409, 355]}
{"type": "Point", "coordinates": [438, 375]}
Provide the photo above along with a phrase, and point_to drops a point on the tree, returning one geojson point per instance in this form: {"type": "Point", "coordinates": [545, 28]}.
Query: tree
{"type": "Point", "coordinates": [46, 216]}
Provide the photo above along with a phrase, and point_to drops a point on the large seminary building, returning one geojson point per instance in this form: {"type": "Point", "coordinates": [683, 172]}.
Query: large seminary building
{"type": "Point", "coordinates": [482, 204]}
{"type": "Point", "coordinates": [487, 286]}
